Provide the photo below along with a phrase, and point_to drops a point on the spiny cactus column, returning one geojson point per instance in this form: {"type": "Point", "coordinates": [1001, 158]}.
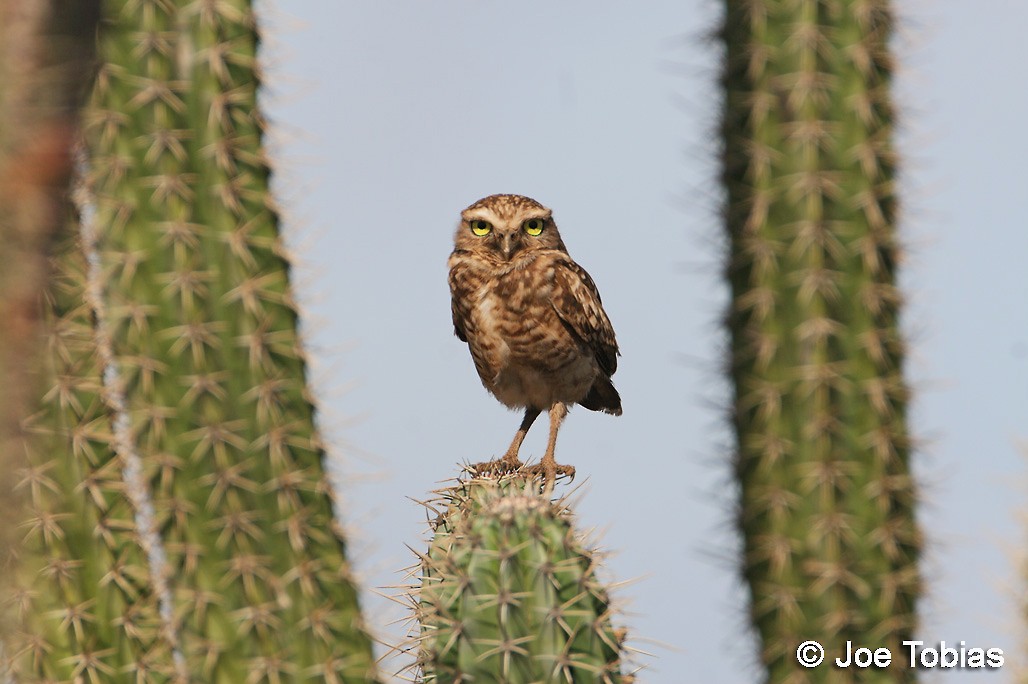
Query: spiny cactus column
{"type": "Point", "coordinates": [88, 609]}
{"type": "Point", "coordinates": [46, 49]}
{"type": "Point", "coordinates": [509, 594]}
{"type": "Point", "coordinates": [820, 402]}
{"type": "Point", "coordinates": [206, 347]}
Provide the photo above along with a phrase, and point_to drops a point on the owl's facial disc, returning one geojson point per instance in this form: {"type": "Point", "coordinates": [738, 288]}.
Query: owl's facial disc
{"type": "Point", "coordinates": [505, 229]}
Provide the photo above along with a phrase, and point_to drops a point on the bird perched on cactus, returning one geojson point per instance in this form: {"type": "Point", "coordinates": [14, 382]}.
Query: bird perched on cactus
{"type": "Point", "coordinates": [533, 321]}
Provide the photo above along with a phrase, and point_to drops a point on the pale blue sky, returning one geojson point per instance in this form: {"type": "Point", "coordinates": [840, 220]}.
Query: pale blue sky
{"type": "Point", "coordinates": [391, 117]}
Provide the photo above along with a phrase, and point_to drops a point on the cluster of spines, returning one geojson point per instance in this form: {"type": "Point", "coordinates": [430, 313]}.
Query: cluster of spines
{"type": "Point", "coordinates": [823, 454]}
{"type": "Point", "coordinates": [86, 603]}
{"type": "Point", "coordinates": [204, 338]}
{"type": "Point", "coordinates": [508, 592]}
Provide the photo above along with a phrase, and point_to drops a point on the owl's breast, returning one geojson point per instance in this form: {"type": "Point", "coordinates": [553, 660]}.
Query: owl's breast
{"type": "Point", "coordinates": [524, 354]}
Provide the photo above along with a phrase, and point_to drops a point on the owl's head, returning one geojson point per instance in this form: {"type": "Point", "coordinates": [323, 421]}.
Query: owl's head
{"type": "Point", "coordinates": [506, 226]}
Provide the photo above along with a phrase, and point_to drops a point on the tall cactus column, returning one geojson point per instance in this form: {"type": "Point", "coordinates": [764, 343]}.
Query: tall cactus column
{"type": "Point", "coordinates": [826, 506]}
{"type": "Point", "coordinates": [204, 335]}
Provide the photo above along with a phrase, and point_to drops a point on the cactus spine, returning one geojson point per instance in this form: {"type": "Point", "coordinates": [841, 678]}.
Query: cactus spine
{"type": "Point", "coordinates": [508, 592]}
{"type": "Point", "coordinates": [820, 402]}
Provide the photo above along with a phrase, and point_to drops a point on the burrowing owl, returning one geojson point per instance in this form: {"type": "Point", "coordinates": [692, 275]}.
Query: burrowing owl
{"type": "Point", "coordinates": [532, 319]}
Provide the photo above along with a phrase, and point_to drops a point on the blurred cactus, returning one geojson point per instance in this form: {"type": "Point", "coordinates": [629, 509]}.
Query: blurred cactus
{"type": "Point", "coordinates": [508, 592]}
{"type": "Point", "coordinates": [46, 49]}
{"type": "Point", "coordinates": [185, 356]}
{"type": "Point", "coordinates": [820, 403]}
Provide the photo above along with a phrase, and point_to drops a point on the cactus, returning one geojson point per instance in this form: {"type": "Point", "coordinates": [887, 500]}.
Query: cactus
{"type": "Point", "coordinates": [89, 609]}
{"type": "Point", "coordinates": [508, 592]}
{"type": "Point", "coordinates": [205, 345]}
{"type": "Point", "coordinates": [46, 49]}
{"type": "Point", "coordinates": [820, 403]}
{"type": "Point", "coordinates": [194, 366]}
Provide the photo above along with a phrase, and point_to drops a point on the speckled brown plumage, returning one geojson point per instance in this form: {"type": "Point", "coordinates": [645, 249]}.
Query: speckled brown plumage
{"type": "Point", "coordinates": [532, 318]}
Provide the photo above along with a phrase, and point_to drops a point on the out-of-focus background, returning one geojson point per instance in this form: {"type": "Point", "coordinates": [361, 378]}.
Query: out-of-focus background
{"type": "Point", "coordinates": [389, 118]}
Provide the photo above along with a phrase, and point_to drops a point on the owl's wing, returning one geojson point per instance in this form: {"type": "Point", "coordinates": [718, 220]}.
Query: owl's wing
{"type": "Point", "coordinates": [459, 313]}
{"type": "Point", "coordinates": [577, 303]}
{"type": "Point", "coordinates": [458, 325]}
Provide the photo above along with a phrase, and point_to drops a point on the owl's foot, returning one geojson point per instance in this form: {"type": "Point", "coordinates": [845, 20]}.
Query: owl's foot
{"type": "Point", "coordinates": [499, 466]}
{"type": "Point", "coordinates": [549, 470]}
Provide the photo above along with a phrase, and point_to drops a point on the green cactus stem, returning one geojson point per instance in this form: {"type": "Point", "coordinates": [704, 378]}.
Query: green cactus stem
{"type": "Point", "coordinates": [509, 592]}
{"type": "Point", "coordinates": [826, 508]}
{"type": "Point", "coordinates": [87, 604]}
{"type": "Point", "coordinates": [204, 336]}
{"type": "Point", "coordinates": [46, 50]}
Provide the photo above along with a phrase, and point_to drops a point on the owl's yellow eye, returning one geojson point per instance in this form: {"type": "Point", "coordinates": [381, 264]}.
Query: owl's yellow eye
{"type": "Point", "coordinates": [533, 226]}
{"type": "Point", "coordinates": [480, 227]}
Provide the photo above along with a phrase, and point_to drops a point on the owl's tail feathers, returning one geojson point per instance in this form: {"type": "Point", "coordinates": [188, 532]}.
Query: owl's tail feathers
{"type": "Point", "coordinates": [602, 397]}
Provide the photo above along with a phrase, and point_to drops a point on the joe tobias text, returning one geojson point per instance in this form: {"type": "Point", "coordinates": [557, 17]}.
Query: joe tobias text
{"type": "Point", "coordinates": [919, 655]}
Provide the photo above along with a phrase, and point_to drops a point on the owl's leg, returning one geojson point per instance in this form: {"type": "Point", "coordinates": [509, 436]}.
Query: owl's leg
{"type": "Point", "coordinates": [511, 457]}
{"type": "Point", "coordinates": [509, 461]}
{"type": "Point", "coordinates": [548, 467]}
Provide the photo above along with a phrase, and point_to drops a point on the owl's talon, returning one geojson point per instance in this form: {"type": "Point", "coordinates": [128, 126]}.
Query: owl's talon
{"type": "Point", "coordinates": [499, 466]}
{"type": "Point", "coordinates": [550, 471]}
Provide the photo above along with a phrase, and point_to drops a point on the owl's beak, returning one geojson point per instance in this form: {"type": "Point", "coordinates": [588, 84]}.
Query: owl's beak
{"type": "Point", "coordinates": [507, 242]}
